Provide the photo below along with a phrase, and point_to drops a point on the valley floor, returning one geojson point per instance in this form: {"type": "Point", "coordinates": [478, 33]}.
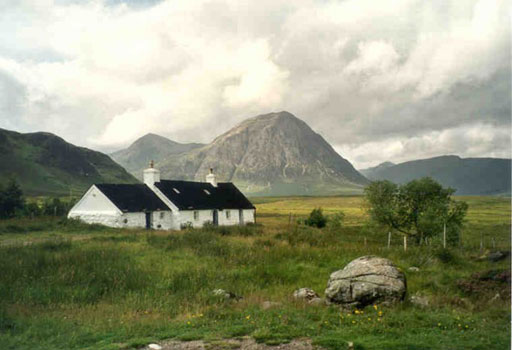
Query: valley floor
{"type": "Point", "coordinates": [65, 285]}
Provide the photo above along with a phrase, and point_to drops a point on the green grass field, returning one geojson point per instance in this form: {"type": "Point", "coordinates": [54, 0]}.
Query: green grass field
{"type": "Point", "coordinates": [65, 285]}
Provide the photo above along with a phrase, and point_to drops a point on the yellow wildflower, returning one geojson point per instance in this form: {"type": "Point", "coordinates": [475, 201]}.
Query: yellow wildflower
{"type": "Point", "coordinates": [248, 317]}
{"type": "Point", "coordinates": [380, 313]}
{"type": "Point", "coordinates": [375, 307]}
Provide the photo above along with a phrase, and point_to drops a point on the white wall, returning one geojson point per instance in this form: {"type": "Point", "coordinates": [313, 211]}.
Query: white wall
{"type": "Point", "coordinates": [187, 216]}
{"type": "Point", "coordinates": [163, 220]}
{"type": "Point", "coordinates": [249, 215]}
{"type": "Point", "coordinates": [94, 201]}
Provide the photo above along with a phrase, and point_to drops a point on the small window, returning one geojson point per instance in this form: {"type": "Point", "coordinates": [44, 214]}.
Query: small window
{"type": "Point", "coordinates": [125, 221]}
{"type": "Point", "coordinates": [206, 191]}
{"type": "Point", "coordinates": [176, 190]}
{"type": "Point", "coordinates": [228, 214]}
{"type": "Point", "coordinates": [196, 215]}
{"type": "Point", "coordinates": [162, 215]}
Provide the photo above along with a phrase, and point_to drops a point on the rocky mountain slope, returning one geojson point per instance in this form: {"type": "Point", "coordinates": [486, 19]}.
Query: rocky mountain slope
{"type": "Point", "coordinates": [43, 163]}
{"type": "Point", "coordinates": [469, 176]}
{"type": "Point", "coordinates": [271, 154]}
{"type": "Point", "coordinates": [147, 148]}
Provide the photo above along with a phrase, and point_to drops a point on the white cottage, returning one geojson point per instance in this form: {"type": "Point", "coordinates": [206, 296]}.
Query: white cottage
{"type": "Point", "coordinates": [164, 204]}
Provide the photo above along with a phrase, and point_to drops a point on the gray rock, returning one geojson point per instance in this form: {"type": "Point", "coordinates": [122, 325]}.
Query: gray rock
{"type": "Point", "coordinates": [497, 255]}
{"type": "Point", "coordinates": [154, 347]}
{"type": "Point", "coordinates": [413, 269]}
{"type": "Point", "coordinates": [364, 281]}
{"type": "Point", "coordinates": [225, 294]}
{"type": "Point", "coordinates": [419, 301]}
{"type": "Point", "coordinates": [305, 294]}
{"type": "Point", "coordinates": [317, 301]}
{"type": "Point", "coordinates": [270, 305]}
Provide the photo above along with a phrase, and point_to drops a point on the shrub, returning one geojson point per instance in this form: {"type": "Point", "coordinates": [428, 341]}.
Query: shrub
{"type": "Point", "coordinates": [316, 218]}
{"type": "Point", "coordinates": [446, 256]}
{"type": "Point", "coordinates": [336, 221]}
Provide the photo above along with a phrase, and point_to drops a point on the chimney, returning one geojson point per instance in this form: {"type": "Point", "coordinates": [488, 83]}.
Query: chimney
{"type": "Point", "coordinates": [151, 175]}
{"type": "Point", "coordinates": [211, 178]}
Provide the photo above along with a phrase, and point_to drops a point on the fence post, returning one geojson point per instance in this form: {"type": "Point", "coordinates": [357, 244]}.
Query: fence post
{"type": "Point", "coordinates": [365, 241]}
{"type": "Point", "coordinates": [444, 235]}
{"type": "Point", "coordinates": [405, 243]}
{"type": "Point", "coordinates": [493, 243]}
{"type": "Point", "coordinates": [389, 239]}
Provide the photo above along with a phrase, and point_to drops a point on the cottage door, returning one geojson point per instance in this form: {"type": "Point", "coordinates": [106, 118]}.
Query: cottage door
{"type": "Point", "coordinates": [215, 217]}
{"type": "Point", "coordinates": [241, 216]}
{"type": "Point", "coordinates": [148, 220]}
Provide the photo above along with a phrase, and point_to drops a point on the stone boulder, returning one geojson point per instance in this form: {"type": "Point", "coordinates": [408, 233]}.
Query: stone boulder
{"type": "Point", "coordinates": [308, 295]}
{"type": "Point", "coordinates": [364, 281]}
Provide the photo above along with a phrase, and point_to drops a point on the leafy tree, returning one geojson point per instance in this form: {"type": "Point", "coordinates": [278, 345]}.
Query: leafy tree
{"type": "Point", "coordinates": [316, 218]}
{"type": "Point", "coordinates": [11, 200]}
{"type": "Point", "coordinates": [419, 209]}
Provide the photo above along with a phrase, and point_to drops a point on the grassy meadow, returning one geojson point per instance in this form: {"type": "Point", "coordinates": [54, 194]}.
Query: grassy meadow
{"type": "Point", "coordinates": [65, 285]}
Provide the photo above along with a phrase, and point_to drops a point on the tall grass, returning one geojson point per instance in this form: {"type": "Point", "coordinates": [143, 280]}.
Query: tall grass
{"type": "Point", "coordinates": [122, 289]}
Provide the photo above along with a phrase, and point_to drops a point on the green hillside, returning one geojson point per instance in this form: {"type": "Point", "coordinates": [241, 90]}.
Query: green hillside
{"type": "Point", "coordinates": [45, 164]}
{"type": "Point", "coordinates": [469, 176]}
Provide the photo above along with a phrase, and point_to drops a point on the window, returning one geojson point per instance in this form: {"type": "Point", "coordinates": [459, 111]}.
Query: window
{"type": "Point", "coordinates": [196, 215]}
{"type": "Point", "coordinates": [162, 215]}
{"type": "Point", "coordinates": [206, 191]}
{"type": "Point", "coordinates": [228, 214]}
{"type": "Point", "coordinates": [176, 190]}
{"type": "Point", "coordinates": [125, 221]}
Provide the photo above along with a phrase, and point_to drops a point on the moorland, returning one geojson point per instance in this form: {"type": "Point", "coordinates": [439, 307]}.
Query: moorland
{"type": "Point", "coordinates": [67, 285]}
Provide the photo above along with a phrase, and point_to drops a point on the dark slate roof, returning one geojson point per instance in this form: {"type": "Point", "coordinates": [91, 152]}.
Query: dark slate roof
{"type": "Point", "coordinates": [132, 197]}
{"type": "Point", "coordinates": [187, 195]}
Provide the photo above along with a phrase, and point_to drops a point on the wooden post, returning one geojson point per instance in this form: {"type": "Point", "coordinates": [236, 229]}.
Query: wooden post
{"type": "Point", "coordinates": [405, 243]}
{"type": "Point", "coordinates": [365, 241]}
{"type": "Point", "coordinates": [389, 239]}
{"type": "Point", "coordinates": [444, 236]}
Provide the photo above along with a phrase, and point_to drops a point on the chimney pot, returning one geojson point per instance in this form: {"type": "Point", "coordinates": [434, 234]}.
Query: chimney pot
{"type": "Point", "coordinates": [211, 178]}
{"type": "Point", "coordinates": [151, 175]}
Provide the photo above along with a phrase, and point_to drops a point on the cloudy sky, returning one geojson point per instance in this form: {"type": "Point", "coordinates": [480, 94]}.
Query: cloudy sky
{"type": "Point", "coordinates": [380, 80]}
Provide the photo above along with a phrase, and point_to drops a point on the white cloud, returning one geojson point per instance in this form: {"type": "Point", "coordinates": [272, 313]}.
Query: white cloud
{"type": "Point", "coordinates": [363, 73]}
{"type": "Point", "coordinates": [475, 140]}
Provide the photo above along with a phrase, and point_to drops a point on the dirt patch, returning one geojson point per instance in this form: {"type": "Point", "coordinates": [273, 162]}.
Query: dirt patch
{"type": "Point", "coordinates": [491, 282]}
{"type": "Point", "coordinates": [245, 343]}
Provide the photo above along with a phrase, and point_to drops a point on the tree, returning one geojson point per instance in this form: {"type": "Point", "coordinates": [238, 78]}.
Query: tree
{"type": "Point", "coordinates": [419, 209]}
{"type": "Point", "coordinates": [11, 200]}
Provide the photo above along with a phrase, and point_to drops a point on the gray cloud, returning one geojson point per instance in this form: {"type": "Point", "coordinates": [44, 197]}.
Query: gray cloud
{"type": "Point", "coordinates": [378, 82]}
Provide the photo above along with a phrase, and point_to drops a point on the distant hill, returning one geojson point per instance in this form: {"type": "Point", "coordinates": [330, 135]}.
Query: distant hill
{"type": "Point", "coordinates": [43, 163]}
{"type": "Point", "coordinates": [469, 176]}
{"type": "Point", "coordinates": [381, 166]}
{"type": "Point", "coordinates": [149, 147]}
{"type": "Point", "coordinates": [271, 154]}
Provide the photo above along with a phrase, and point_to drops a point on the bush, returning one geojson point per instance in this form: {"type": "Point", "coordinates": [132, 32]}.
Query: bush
{"type": "Point", "coordinates": [446, 256]}
{"type": "Point", "coordinates": [336, 221]}
{"type": "Point", "coordinates": [316, 218]}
